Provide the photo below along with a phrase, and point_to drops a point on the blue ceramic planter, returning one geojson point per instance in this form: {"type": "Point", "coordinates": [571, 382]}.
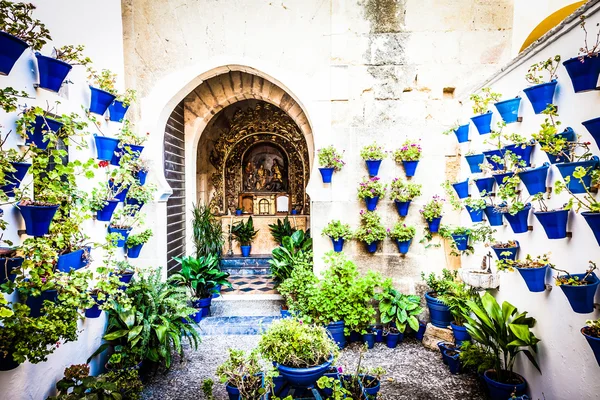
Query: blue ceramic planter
{"type": "Point", "coordinates": [453, 360]}
{"type": "Point", "coordinates": [439, 313]}
{"type": "Point", "coordinates": [232, 392]}
{"type": "Point", "coordinates": [238, 212]}
{"type": "Point", "coordinates": [195, 317]}
{"type": "Point", "coordinates": [488, 157]}
{"type": "Point", "coordinates": [461, 241]}
{"type": "Point", "coordinates": [134, 251]}
{"type": "Point", "coordinates": [511, 252]}
{"type": "Point", "coordinates": [7, 266]}
{"type": "Point", "coordinates": [123, 232]}
{"type": "Point", "coordinates": [474, 161]}
{"type": "Point", "coordinates": [523, 151]}
{"type": "Point", "coordinates": [372, 247]}
{"type": "Point", "coordinates": [486, 184]}
{"type": "Point", "coordinates": [583, 72]}
{"type": "Point", "coordinates": [421, 332]}
{"type": "Point", "coordinates": [303, 377]}
{"type": "Point", "coordinates": [445, 346]}
{"type": "Point", "coordinates": [402, 207]}
{"type": "Point", "coordinates": [94, 311]}
{"type": "Point", "coordinates": [246, 250]}
{"type": "Point", "coordinates": [475, 214]}
{"type": "Point", "coordinates": [326, 174]}
{"type": "Point", "coordinates": [499, 178]}
{"type": "Point", "coordinates": [37, 218]}
{"type": "Point", "coordinates": [135, 151]}
{"type": "Point", "coordinates": [11, 49]}
{"type": "Point", "coordinates": [594, 343]}
{"type": "Point", "coordinates": [373, 167]}
{"type": "Point", "coordinates": [35, 304]}
{"type": "Point", "coordinates": [410, 167]}
{"type": "Point", "coordinates": [483, 123]}
{"type": "Point", "coordinates": [338, 244]}
{"type": "Point", "coordinates": [581, 297]}
{"type": "Point", "coordinates": [135, 205]}
{"type": "Point", "coordinates": [434, 224]}
{"type": "Point", "coordinates": [203, 305]}
{"type": "Point", "coordinates": [36, 135]}
{"type": "Point", "coordinates": [509, 109]}
{"type": "Point", "coordinates": [541, 95]}
{"type": "Point", "coordinates": [535, 179]}
{"type": "Point", "coordinates": [593, 127]}
{"type": "Point", "coordinates": [100, 100]}
{"type": "Point", "coordinates": [52, 72]}
{"type": "Point", "coordinates": [460, 333]}
{"type": "Point", "coordinates": [122, 194]}
{"type": "Point", "coordinates": [70, 261]}
{"type": "Point", "coordinates": [493, 216]}
{"type": "Point", "coordinates": [14, 179]}
{"type": "Point", "coordinates": [378, 335]}
{"type": "Point", "coordinates": [336, 332]}
{"type": "Point", "coordinates": [105, 214]}
{"type": "Point", "coordinates": [518, 222]}
{"type": "Point", "coordinates": [371, 203]}
{"type": "Point", "coordinates": [142, 175]}
{"type": "Point", "coordinates": [554, 223]}
{"type": "Point", "coordinates": [371, 392]}
{"type": "Point", "coordinates": [593, 221]}
{"type": "Point", "coordinates": [117, 111]}
{"type": "Point", "coordinates": [575, 185]}
{"type": "Point", "coordinates": [369, 339]}
{"type": "Point", "coordinates": [105, 147]}
{"type": "Point", "coordinates": [125, 277]}
{"type": "Point", "coordinates": [535, 278]}
{"type": "Point", "coordinates": [462, 188]}
{"type": "Point", "coordinates": [392, 339]}
{"type": "Point", "coordinates": [403, 246]}
{"type": "Point", "coordinates": [503, 391]}
{"type": "Point", "coordinates": [462, 133]}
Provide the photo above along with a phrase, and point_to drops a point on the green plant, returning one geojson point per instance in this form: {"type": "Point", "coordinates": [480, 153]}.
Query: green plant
{"type": "Point", "coordinates": [586, 50]}
{"type": "Point", "coordinates": [139, 238]}
{"type": "Point", "coordinates": [128, 97]}
{"type": "Point", "coordinates": [588, 200]}
{"type": "Point", "coordinates": [207, 232]}
{"type": "Point", "coordinates": [478, 233]}
{"type": "Point", "coordinates": [452, 128]}
{"type": "Point", "coordinates": [16, 19]}
{"type": "Point", "coordinates": [433, 209]}
{"type": "Point", "coordinates": [475, 203]}
{"type": "Point", "coordinates": [295, 252]}
{"type": "Point", "coordinates": [281, 229]}
{"type": "Point", "coordinates": [456, 298]}
{"type": "Point", "coordinates": [570, 280]}
{"type": "Point", "coordinates": [402, 191]}
{"type": "Point", "coordinates": [401, 232]}
{"type": "Point", "coordinates": [9, 98]}
{"type": "Point", "coordinates": [295, 344]}
{"type": "Point", "coordinates": [207, 389]}
{"type": "Point", "coordinates": [504, 331]}
{"type": "Point", "coordinates": [338, 391]}
{"type": "Point", "coordinates": [329, 157]}
{"type": "Point", "coordinates": [440, 285]}
{"type": "Point", "coordinates": [476, 357]}
{"type": "Point", "coordinates": [336, 230]}
{"type": "Point", "coordinates": [549, 66]}
{"type": "Point", "coordinates": [510, 194]}
{"type": "Point", "coordinates": [371, 229]}
{"type": "Point", "coordinates": [298, 289]}
{"type": "Point", "coordinates": [78, 384]}
{"type": "Point", "coordinates": [481, 102]}
{"type": "Point", "coordinates": [243, 371]}
{"type": "Point", "coordinates": [373, 152]}
{"type": "Point", "coordinates": [243, 232]}
{"type": "Point", "coordinates": [103, 80]}
{"type": "Point", "coordinates": [410, 151]}
{"type": "Point", "coordinates": [128, 136]}
{"type": "Point", "coordinates": [371, 187]}
{"type": "Point", "coordinates": [592, 327]}
{"type": "Point", "coordinates": [201, 275]}
{"type": "Point", "coordinates": [72, 55]}
{"type": "Point", "coordinates": [398, 308]}
{"type": "Point", "coordinates": [141, 193]}
{"type": "Point", "coordinates": [506, 264]}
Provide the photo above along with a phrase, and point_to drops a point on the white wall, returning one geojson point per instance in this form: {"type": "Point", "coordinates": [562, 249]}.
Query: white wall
{"type": "Point", "coordinates": [569, 368]}
{"type": "Point", "coordinates": [98, 26]}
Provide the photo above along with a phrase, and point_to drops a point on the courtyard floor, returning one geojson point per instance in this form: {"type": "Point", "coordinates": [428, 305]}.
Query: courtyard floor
{"type": "Point", "coordinates": [413, 372]}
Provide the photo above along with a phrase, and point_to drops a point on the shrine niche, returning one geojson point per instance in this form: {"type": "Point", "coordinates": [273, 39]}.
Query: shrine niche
{"type": "Point", "coordinates": [265, 169]}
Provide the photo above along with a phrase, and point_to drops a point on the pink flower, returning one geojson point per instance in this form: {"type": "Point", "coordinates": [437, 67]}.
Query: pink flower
{"type": "Point", "coordinates": [340, 370]}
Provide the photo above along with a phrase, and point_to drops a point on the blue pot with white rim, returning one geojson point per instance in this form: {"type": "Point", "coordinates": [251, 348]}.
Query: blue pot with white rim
{"type": "Point", "coordinates": [494, 217]}
{"type": "Point", "coordinates": [489, 154]}
{"type": "Point", "coordinates": [36, 133]}
{"type": "Point", "coordinates": [575, 185]}
{"type": "Point", "coordinates": [509, 109]}
{"type": "Point", "coordinates": [336, 332]}
{"type": "Point", "coordinates": [326, 174]}
{"type": "Point", "coordinates": [483, 123]}
{"type": "Point", "coordinates": [372, 247]}
{"type": "Point", "coordinates": [338, 244]}
{"type": "Point", "coordinates": [52, 72]}
{"type": "Point", "coordinates": [485, 184]}
{"type": "Point", "coordinates": [584, 72]}
{"type": "Point", "coordinates": [461, 241]}
{"type": "Point", "coordinates": [403, 245]}
{"type": "Point", "coordinates": [474, 161]}
{"type": "Point", "coordinates": [410, 167]}
{"type": "Point", "coordinates": [534, 179]}
{"type": "Point", "coordinates": [100, 100]}
{"type": "Point", "coordinates": [540, 96]}
{"type": "Point", "coordinates": [593, 127]}
{"type": "Point", "coordinates": [535, 278]}
{"type": "Point", "coordinates": [11, 48]}
{"type": "Point", "coordinates": [462, 133]}
{"type": "Point", "coordinates": [402, 207]}
{"type": "Point", "coordinates": [518, 221]}
{"type": "Point", "coordinates": [476, 214]}
{"type": "Point", "coordinates": [13, 179]}
{"type": "Point", "coordinates": [462, 188]}
{"type": "Point", "coordinates": [553, 222]}
{"type": "Point", "coordinates": [105, 147]}
{"type": "Point", "coordinates": [373, 167]}
{"type": "Point", "coordinates": [117, 111]}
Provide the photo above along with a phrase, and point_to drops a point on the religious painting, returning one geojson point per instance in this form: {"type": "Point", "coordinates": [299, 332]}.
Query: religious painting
{"type": "Point", "coordinates": [265, 169]}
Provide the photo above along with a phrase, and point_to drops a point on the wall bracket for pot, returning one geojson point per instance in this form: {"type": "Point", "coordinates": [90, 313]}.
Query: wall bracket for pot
{"type": "Point", "coordinates": [548, 287]}
{"type": "Point", "coordinates": [597, 306]}
{"type": "Point", "coordinates": [570, 235]}
{"type": "Point", "coordinates": [21, 232]}
{"type": "Point", "coordinates": [519, 119]}
{"type": "Point", "coordinates": [530, 227]}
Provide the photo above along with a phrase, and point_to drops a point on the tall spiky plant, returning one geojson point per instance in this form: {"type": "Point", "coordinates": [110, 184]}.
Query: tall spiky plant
{"type": "Point", "coordinates": [207, 232]}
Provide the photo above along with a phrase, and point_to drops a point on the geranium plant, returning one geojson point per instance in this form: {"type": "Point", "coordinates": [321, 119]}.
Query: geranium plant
{"type": "Point", "coordinates": [433, 209]}
{"type": "Point", "coordinates": [17, 20]}
{"type": "Point", "coordinates": [506, 264]}
{"type": "Point", "coordinates": [410, 151]}
{"type": "Point", "coordinates": [72, 54]}
{"type": "Point", "coordinates": [402, 232]}
{"type": "Point", "coordinates": [139, 238]}
{"type": "Point", "coordinates": [337, 230]}
{"type": "Point", "coordinates": [402, 191]}
{"type": "Point", "coordinates": [373, 152]}
{"type": "Point", "coordinates": [329, 157]}
{"type": "Point", "coordinates": [371, 229]}
{"type": "Point", "coordinates": [568, 279]}
{"type": "Point", "coordinates": [481, 102]}
{"type": "Point", "coordinates": [104, 80]}
{"type": "Point", "coordinates": [588, 200]}
{"type": "Point", "coordinates": [550, 66]}
{"type": "Point", "coordinates": [371, 187]}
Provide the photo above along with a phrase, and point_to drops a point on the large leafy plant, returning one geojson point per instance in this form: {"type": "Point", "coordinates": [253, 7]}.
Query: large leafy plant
{"type": "Point", "coordinates": [398, 308]}
{"type": "Point", "coordinates": [207, 232]}
{"type": "Point", "coordinates": [456, 298]}
{"type": "Point", "coordinates": [243, 232]}
{"type": "Point", "coordinates": [295, 252]}
{"type": "Point", "coordinates": [281, 229]}
{"type": "Point", "coordinates": [200, 275]}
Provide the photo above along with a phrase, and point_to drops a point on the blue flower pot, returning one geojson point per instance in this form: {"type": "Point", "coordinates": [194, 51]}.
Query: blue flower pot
{"type": "Point", "coordinates": [488, 157]}
{"type": "Point", "coordinates": [402, 207]}
{"type": "Point", "coordinates": [503, 391]}
{"type": "Point", "coordinates": [462, 188]}
{"type": "Point", "coordinates": [378, 335]}
{"type": "Point", "coordinates": [593, 127]}
{"type": "Point", "coordinates": [518, 222]}
{"type": "Point", "coordinates": [500, 177]}
{"type": "Point", "coordinates": [570, 136]}
{"type": "Point", "coordinates": [512, 250]}
{"type": "Point", "coordinates": [509, 109]}
{"type": "Point", "coordinates": [410, 167]}
{"type": "Point", "coordinates": [403, 246]}
{"type": "Point", "coordinates": [421, 332]}
{"type": "Point", "coordinates": [246, 250]}
{"type": "Point", "coordinates": [238, 212]}
{"type": "Point", "coordinates": [493, 216]}
{"type": "Point", "coordinates": [445, 346]}
{"type": "Point", "coordinates": [294, 212]}
{"type": "Point", "coordinates": [14, 179]}
{"type": "Point", "coordinates": [462, 133]}
{"type": "Point", "coordinates": [554, 223]}
{"type": "Point", "coordinates": [203, 305]}
{"type": "Point", "coordinates": [486, 184]}
{"type": "Point", "coordinates": [70, 261]}
{"type": "Point", "coordinates": [575, 185]}
{"type": "Point", "coordinates": [303, 377]}
{"type": "Point", "coordinates": [134, 251]}
{"type": "Point", "coordinates": [373, 167]}
{"type": "Point", "coordinates": [453, 360]}
{"type": "Point", "coordinates": [439, 313]}
{"type": "Point", "coordinates": [119, 151]}
{"type": "Point", "coordinates": [338, 244]}
{"type": "Point", "coordinates": [583, 72]}
{"type": "Point", "coordinates": [535, 278]}
{"type": "Point", "coordinates": [94, 311]}
{"type": "Point", "coordinates": [594, 343]}
{"type": "Point", "coordinates": [37, 218]}
{"type": "Point", "coordinates": [474, 161]}
{"type": "Point", "coordinates": [232, 392]}
{"type": "Point", "coordinates": [326, 174]}
{"type": "Point", "coordinates": [371, 392]}
{"type": "Point", "coordinates": [460, 333]}
{"type": "Point", "coordinates": [35, 304]}
{"type": "Point", "coordinates": [392, 339]}
{"type": "Point", "coordinates": [86, 256]}
{"type": "Point", "coordinates": [371, 203]}
{"type": "Point", "coordinates": [434, 224]}
{"type": "Point", "coordinates": [105, 147]}
{"type": "Point", "coordinates": [535, 179]}
{"type": "Point", "coordinates": [125, 277]}
{"type": "Point", "coordinates": [142, 175]}
{"type": "Point", "coordinates": [123, 232]}
{"type": "Point", "coordinates": [355, 337]}
{"type": "Point", "coordinates": [581, 297]}
{"type": "Point", "coordinates": [593, 221]}
{"type": "Point", "coordinates": [136, 205]}
{"type": "Point", "coordinates": [336, 332]}
{"type": "Point", "coordinates": [52, 72]}
{"type": "Point", "coordinates": [372, 247]}
{"type": "Point", "coordinates": [7, 266]}
{"type": "Point", "coordinates": [483, 123]}
{"type": "Point", "coordinates": [35, 134]}
{"type": "Point", "coordinates": [475, 214]}
{"type": "Point", "coordinates": [11, 49]}
{"type": "Point", "coordinates": [285, 313]}
{"type": "Point", "coordinates": [100, 100]}
{"type": "Point", "coordinates": [461, 241]}
{"type": "Point", "coordinates": [521, 151]}
{"type": "Point", "coordinates": [122, 194]}
{"type": "Point", "coordinates": [105, 214]}
{"type": "Point", "coordinates": [369, 339]}
{"type": "Point", "coordinates": [195, 318]}
{"type": "Point", "coordinates": [541, 95]}
{"type": "Point", "coordinates": [117, 111]}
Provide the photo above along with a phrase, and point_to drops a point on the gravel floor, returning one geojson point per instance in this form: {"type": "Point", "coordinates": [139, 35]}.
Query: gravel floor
{"type": "Point", "coordinates": [413, 372]}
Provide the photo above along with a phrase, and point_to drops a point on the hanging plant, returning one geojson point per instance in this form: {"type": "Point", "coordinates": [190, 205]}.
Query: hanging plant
{"type": "Point", "coordinates": [371, 191]}
{"type": "Point", "coordinates": [462, 238]}
{"type": "Point", "coordinates": [330, 161]}
{"type": "Point", "coordinates": [481, 106]}
{"type": "Point", "coordinates": [533, 270]}
{"type": "Point", "coordinates": [403, 235]}
{"type": "Point", "coordinates": [580, 289]}
{"type": "Point", "coordinates": [371, 230]}
{"type": "Point", "coordinates": [585, 68]}
{"type": "Point", "coordinates": [121, 104]}
{"type": "Point", "coordinates": [542, 75]}
{"type": "Point", "coordinates": [54, 70]}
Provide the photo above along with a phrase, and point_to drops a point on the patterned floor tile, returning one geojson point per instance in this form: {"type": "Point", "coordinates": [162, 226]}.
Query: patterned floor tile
{"type": "Point", "coordinates": [250, 284]}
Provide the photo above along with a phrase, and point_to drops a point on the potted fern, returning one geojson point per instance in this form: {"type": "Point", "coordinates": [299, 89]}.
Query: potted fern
{"type": "Point", "coordinates": [244, 233]}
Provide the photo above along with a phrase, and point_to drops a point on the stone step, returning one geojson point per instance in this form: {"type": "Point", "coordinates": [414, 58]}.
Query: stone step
{"type": "Point", "coordinates": [243, 305]}
{"type": "Point", "coordinates": [243, 325]}
{"type": "Point", "coordinates": [254, 265]}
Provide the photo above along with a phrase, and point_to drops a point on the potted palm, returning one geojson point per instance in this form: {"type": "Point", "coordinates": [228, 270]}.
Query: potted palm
{"type": "Point", "coordinates": [533, 270]}
{"type": "Point", "coordinates": [338, 233]}
{"type": "Point", "coordinates": [541, 94]}
{"type": "Point", "coordinates": [244, 233]}
{"type": "Point", "coordinates": [330, 161]}
{"type": "Point", "coordinates": [409, 154]}
{"type": "Point", "coordinates": [371, 230]}
{"type": "Point", "coordinates": [585, 68]}
{"type": "Point", "coordinates": [402, 193]}
{"type": "Point", "coordinates": [402, 235]}
{"type": "Point", "coordinates": [580, 289]}
{"type": "Point", "coordinates": [371, 190]}
{"type": "Point", "coordinates": [373, 154]}
{"type": "Point", "coordinates": [481, 103]}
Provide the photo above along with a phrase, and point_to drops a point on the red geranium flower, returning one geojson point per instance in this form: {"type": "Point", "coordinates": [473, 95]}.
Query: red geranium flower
{"type": "Point", "coordinates": [103, 164]}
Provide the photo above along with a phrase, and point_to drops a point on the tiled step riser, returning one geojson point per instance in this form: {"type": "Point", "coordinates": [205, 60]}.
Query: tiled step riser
{"type": "Point", "coordinates": [250, 325]}
{"type": "Point", "coordinates": [237, 308]}
{"type": "Point", "coordinates": [247, 271]}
